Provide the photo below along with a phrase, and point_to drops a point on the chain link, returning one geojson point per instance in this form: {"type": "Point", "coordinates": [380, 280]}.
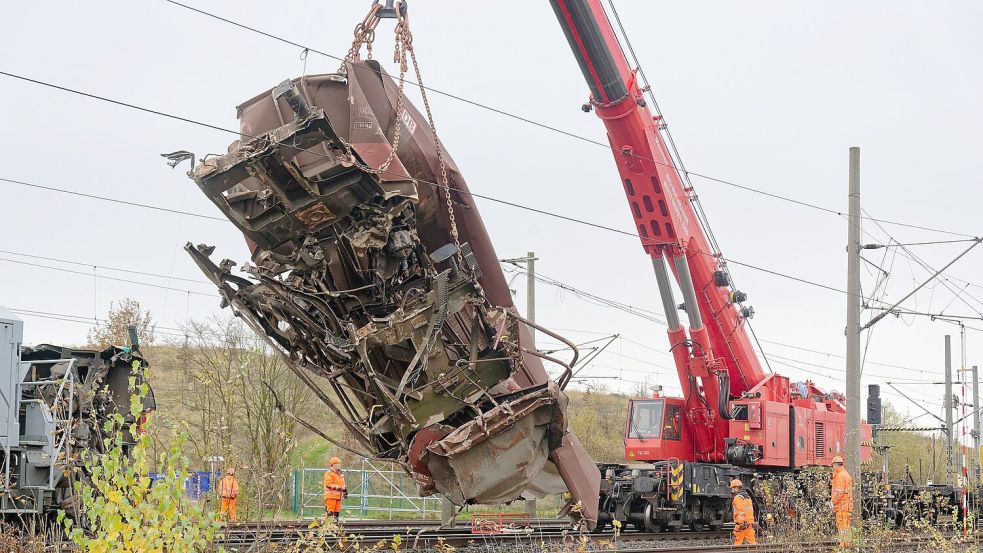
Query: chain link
{"type": "Point", "coordinates": [403, 46]}
{"type": "Point", "coordinates": [399, 56]}
{"type": "Point", "coordinates": [444, 181]}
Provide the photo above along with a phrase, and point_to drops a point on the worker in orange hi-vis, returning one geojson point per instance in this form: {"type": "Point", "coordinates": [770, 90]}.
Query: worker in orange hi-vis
{"type": "Point", "coordinates": [334, 488]}
{"type": "Point", "coordinates": [228, 490]}
{"type": "Point", "coordinates": [743, 514]}
{"type": "Point", "coordinates": [841, 497]}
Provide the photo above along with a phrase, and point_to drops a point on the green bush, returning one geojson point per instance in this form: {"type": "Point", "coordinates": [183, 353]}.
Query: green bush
{"type": "Point", "coordinates": [123, 510]}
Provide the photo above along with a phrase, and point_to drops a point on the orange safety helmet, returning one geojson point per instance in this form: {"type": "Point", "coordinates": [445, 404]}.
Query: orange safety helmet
{"type": "Point", "coordinates": [735, 483]}
{"type": "Point", "coordinates": [837, 459]}
{"type": "Point", "coordinates": [334, 461]}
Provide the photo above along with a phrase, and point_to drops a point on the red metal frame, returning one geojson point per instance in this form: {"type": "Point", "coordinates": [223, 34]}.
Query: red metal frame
{"type": "Point", "coordinates": [661, 206]}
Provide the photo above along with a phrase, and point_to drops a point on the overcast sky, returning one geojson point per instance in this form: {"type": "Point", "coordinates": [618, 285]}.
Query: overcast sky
{"type": "Point", "coordinates": [768, 95]}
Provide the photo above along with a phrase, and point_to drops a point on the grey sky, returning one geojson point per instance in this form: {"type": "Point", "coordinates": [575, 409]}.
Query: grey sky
{"type": "Point", "coordinates": [765, 94]}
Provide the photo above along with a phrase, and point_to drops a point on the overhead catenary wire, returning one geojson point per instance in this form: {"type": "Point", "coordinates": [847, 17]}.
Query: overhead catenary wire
{"type": "Point", "coordinates": [596, 299]}
{"type": "Point", "coordinates": [114, 200]}
{"type": "Point", "coordinates": [84, 317]}
{"type": "Point", "coordinates": [652, 316]}
{"type": "Point", "coordinates": [905, 245]}
{"type": "Point", "coordinates": [555, 129]}
{"type": "Point", "coordinates": [84, 320]}
{"type": "Point", "coordinates": [912, 256]}
{"type": "Point", "coordinates": [84, 264]}
{"type": "Point", "coordinates": [103, 277]}
{"type": "Point", "coordinates": [934, 275]}
{"type": "Point", "coordinates": [438, 185]}
{"type": "Point", "coordinates": [476, 195]}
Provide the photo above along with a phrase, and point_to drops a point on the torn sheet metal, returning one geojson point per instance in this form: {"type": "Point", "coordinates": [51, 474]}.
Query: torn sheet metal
{"type": "Point", "coordinates": [103, 388]}
{"type": "Point", "coordinates": [356, 276]}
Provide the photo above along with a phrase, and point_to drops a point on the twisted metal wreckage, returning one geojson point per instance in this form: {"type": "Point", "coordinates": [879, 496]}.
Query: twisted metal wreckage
{"type": "Point", "coordinates": [372, 269]}
{"type": "Point", "coordinates": [56, 404]}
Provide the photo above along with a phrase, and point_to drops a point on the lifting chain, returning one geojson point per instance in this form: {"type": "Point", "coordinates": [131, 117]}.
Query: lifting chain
{"type": "Point", "coordinates": [365, 34]}
{"type": "Point", "coordinates": [444, 181]}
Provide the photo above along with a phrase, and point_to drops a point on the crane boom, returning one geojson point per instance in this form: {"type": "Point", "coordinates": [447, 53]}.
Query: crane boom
{"type": "Point", "coordinates": [716, 359]}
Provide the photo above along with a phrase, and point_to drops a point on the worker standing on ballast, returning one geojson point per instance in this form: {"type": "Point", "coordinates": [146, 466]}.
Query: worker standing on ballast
{"type": "Point", "coordinates": [228, 489]}
{"type": "Point", "coordinates": [334, 489]}
{"type": "Point", "coordinates": [841, 498]}
{"type": "Point", "coordinates": [743, 514]}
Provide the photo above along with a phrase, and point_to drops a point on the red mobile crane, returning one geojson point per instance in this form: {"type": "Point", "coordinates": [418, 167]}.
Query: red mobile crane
{"type": "Point", "coordinates": [733, 419]}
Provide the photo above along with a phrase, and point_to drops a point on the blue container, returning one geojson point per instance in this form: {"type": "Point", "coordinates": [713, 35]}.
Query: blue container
{"type": "Point", "coordinates": [197, 484]}
{"type": "Point", "coordinates": [192, 489]}
{"type": "Point", "coordinates": [204, 481]}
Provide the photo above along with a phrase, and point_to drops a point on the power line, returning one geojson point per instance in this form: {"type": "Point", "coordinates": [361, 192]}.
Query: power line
{"type": "Point", "coordinates": [214, 127]}
{"type": "Point", "coordinates": [914, 257]}
{"type": "Point", "coordinates": [552, 128]}
{"type": "Point", "coordinates": [441, 186]}
{"type": "Point", "coordinates": [197, 281]}
{"type": "Point", "coordinates": [114, 200]}
{"type": "Point", "coordinates": [653, 316]}
{"type": "Point", "coordinates": [898, 244]}
{"type": "Point", "coordinates": [103, 277]}
{"type": "Point", "coordinates": [598, 300]}
{"type": "Point", "coordinates": [85, 320]}
{"type": "Point", "coordinates": [828, 354]}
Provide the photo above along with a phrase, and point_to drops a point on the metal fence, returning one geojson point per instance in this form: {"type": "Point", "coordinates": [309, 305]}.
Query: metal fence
{"type": "Point", "coordinates": [375, 488]}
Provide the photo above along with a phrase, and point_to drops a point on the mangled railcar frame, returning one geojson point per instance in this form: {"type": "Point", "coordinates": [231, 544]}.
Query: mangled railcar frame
{"type": "Point", "coordinates": [372, 268]}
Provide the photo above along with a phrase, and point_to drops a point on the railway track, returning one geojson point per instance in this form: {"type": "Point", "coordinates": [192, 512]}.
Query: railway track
{"type": "Point", "coordinates": [906, 543]}
{"type": "Point", "coordinates": [428, 535]}
{"type": "Point", "coordinates": [423, 534]}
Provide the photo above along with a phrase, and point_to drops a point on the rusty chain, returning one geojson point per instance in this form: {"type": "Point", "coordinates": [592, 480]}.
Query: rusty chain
{"type": "Point", "coordinates": [444, 180]}
{"type": "Point", "coordinates": [365, 34]}
{"type": "Point", "coordinates": [399, 56]}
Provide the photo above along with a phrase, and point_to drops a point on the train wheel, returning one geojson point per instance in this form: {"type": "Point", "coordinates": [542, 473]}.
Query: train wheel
{"type": "Point", "coordinates": [650, 524]}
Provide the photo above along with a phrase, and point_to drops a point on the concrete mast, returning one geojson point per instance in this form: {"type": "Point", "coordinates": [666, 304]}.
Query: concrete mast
{"type": "Point", "coordinates": [947, 405]}
{"type": "Point", "coordinates": [531, 316]}
{"type": "Point", "coordinates": [975, 457]}
{"type": "Point", "coordinates": [854, 306]}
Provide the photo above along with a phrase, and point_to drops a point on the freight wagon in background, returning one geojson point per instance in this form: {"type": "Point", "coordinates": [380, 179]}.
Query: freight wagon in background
{"type": "Point", "coordinates": [54, 402]}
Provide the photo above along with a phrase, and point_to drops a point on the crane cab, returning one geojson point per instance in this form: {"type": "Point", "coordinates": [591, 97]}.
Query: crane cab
{"type": "Point", "coordinates": [656, 430]}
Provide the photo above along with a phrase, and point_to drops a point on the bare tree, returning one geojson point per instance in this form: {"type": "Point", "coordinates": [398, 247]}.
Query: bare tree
{"type": "Point", "coordinates": [121, 316]}
{"type": "Point", "coordinates": [230, 410]}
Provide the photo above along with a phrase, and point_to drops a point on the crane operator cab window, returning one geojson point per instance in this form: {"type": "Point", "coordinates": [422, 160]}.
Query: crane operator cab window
{"type": "Point", "coordinates": [674, 422]}
{"type": "Point", "coordinates": [654, 419]}
{"type": "Point", "coordinates": [646, 419]}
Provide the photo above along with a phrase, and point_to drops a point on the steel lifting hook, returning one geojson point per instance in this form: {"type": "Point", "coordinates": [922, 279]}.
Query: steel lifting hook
{"type": "Point", "coordinates": [392, 10]}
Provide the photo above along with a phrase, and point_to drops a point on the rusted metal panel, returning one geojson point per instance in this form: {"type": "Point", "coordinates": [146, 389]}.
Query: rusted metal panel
{"type": "Point", "coordinates": [356, 276]}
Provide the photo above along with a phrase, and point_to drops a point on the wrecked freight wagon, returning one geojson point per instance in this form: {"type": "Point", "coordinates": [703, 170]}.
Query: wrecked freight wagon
{"type": "Point", "coordinates": [374, 271]}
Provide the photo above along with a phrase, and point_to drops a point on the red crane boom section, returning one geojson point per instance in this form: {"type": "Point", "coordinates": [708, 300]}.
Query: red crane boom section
{"type": "Point", "coordinates": [660, 202]}
{"type": "Point", "coordinates": [714, 359]}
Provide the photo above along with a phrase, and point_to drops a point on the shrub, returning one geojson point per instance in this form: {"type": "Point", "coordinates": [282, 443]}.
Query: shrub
{"type": "Point", "coordinates": [122, 509]}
